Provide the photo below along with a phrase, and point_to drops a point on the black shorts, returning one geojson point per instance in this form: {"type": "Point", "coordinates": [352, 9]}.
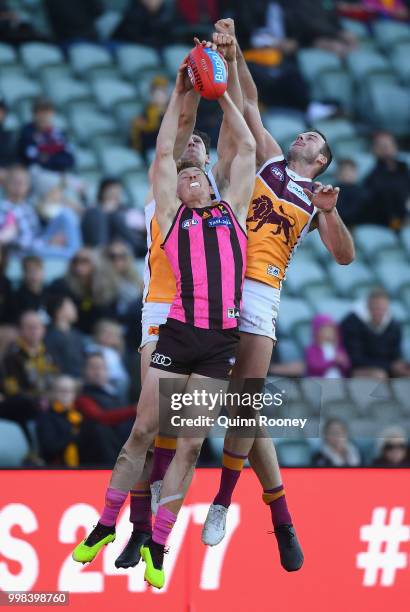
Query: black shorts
{"type": "Point", "coordinates": [185, 349]}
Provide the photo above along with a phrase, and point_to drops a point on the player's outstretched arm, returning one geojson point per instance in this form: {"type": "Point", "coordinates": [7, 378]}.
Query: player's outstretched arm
{"type": "Point", "coordinates": [164, 168]}
{"type": "Point", "coordinates": [242, 175]}
{"type": "Point", "coordinates": [226, 147]}
{"type": "Point", "coordinates": [266, 145]}
{"type": "Point", "coordinates": [333, 232]}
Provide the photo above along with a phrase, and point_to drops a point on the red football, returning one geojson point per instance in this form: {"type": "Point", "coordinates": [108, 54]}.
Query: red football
{"type": "Point", "coordinates": [208, 72]}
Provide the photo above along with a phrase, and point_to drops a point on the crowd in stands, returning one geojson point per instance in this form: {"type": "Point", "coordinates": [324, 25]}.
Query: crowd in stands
{"type": "Point", "coordinates": [69, 366]}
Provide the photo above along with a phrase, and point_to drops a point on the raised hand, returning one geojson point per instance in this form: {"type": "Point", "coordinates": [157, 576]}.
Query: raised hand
{"type": "Point", "coordinates": [226, 44]}
{"type": "Point", "coordinates": [205, 43]}
{"type": "Point", "coordinates": [225, 26]}
{"type": "Point", "coordinates": [324, 197]}
{"type": "Point", "coordinates": [183, 82]}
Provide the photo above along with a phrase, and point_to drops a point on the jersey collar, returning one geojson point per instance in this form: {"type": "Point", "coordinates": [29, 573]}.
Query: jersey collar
{"type": "Point", "coordinates": [296, 177]}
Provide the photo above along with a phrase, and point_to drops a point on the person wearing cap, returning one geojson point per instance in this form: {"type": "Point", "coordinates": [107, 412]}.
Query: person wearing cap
{"type": "Point", "coordinates": [42, 143]}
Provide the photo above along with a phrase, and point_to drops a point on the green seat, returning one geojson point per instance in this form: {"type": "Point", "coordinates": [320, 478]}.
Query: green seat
{"type": "Point", "coordinates": [132, 59]}
{"type": "Point", "coordinates": [405, 238]}
{"type": "Point", "coordinates": [36, 55]}
{"type": "Point", "coordinates": [338, 308]}
{"type": "Point", "coordinates": [86, 56]}
{"type": "Point", "coordinates": [120, 160]}
{"type": "Point", "coordinates": [400, 62]}
{"type": "Point", "coordinates": [283, 126]}
{"type": "Point", "coordinates": [292, 311]}
{"type": "Point", "coordinates": [393, 281]}
{"type": "Point", "coordinates": [336, 85]}
{"type": "Point", "coordinates": [335, 129]}
{"type": "Point", "coordinates": [137, 187]}
{"type": "Point", "coordinates": [372, 238]}
{"type": "Point", "coordinates": [365, 163]}
{"type": "Point", "coordinates": [362, 63]}
{"type": "Point", "coordinates": [85, 159]}
{"type": "Point", "coordinates": [390, 33]}
{"type": "Point", "coordinates": [7, 54]}
{"type": "Point", "coordinates": [294, 453]}
{"type": "Point", "coordinates": [344, 147]}
{"type": "Point", "coordinates": [126, 111]}
{"type": "Point", "coordinates": [174, 56]}
{"type": "Point", "coordinates": [355, 27]}
{"type": "Point", "coordinates": [345, 278]}
{"type": "Point", "coordinates": [303, 273]}
{"type": "Point", "coordinates": [15, 88]}
{"type": "Point", "coordinates": [314, 62]}
{"type": "Point", "coordinates": [394, 115]}
{"type": "Point", "coordinates": [289, 351]}
{"type": "Point", "coordinates": [109, 93]}
{"type": "Point", "coordinates": [87, 125]}
{"type": "Point", "coordinates": [65, 90]}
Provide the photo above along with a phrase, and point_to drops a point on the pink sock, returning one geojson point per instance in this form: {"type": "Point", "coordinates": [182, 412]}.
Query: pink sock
{"type": "Point", "coordinates": [164, 522]}
{"type": "Point", "coordinates": [114, 499]}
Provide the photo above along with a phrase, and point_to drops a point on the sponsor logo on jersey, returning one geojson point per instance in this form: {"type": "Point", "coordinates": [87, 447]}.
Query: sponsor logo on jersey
{"type": "Point", "coordinates": [153, 330]}
{"type": "Point", "coordinates": [223, 209]}
{"type": "Point", "coordinates": [278, 173]}
{"type": "Point", "coordinates": [272, 270]}
{"type": "Point", "coordinates": [233, 313]}
{"type": "Point", "coordinates": [219, 69]}
{"type": "Point", "coordinates": [206, 214]}
{"type": "Point", "coordinates": [218, 221]}
{"type": "Point", "coordinates": [189, 223]}
{"type": "Point", "coordinates": [160, 359]}
{"type": "Point", "coordinates": [298, 191]}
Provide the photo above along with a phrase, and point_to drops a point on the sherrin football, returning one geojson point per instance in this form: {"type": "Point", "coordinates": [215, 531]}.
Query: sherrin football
{"type": "Point", "coordinates": [208, 72]}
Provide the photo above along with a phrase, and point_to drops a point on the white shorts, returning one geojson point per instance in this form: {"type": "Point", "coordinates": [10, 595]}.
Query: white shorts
{"type": "Point", "coordinates": [154, 314]}
{"type": "Point", "coordinates": [260, 307]}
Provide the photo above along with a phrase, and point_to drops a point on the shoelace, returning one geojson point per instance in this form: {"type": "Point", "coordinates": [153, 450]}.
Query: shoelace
{"type": "Point", "coordinates": [287, 532]}
{"type": "Point", "coordinates": [217, 515]}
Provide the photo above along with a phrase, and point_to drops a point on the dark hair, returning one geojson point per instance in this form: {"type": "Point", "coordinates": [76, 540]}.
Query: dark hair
{"type": "Point", "coordinates": [41, 104]}
{"type": "Point", "coordinates": [332, 421]}
{"type": "Point", "coordinates": [326, 151]}
{"type": "Point", "coordinates": [206, 139]}
{"type": "Point", "coordinates": [106, 182]}
{"type": "Point", "coordinates": [346, 161]}
{"type": "Point", "coordinates": [55, 302]}
{"type": "Point", "coordinates": [91, 353]}
{"type": "Point", "coordinates": [32, 259]}
{"type": "Point", "coordinates": [378, 292]}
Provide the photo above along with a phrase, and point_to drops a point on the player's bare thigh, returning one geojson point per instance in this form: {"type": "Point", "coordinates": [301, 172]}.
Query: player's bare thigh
{"type": "Point", "coordinates": [253, 356]}
{"type": "Point", "coordinates": [146, 352]}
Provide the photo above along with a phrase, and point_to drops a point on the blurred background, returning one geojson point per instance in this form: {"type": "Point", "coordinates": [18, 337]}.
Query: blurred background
{"type": "Point", "coordinates": [83, 88]}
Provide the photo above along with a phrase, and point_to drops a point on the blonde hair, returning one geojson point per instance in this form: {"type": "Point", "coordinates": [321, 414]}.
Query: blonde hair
{"type": "Point", "coordinates": [103, 284]}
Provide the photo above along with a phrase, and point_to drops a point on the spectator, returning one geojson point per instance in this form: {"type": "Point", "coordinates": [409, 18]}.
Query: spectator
{"type": "Point", "coordinates": [148, 22]}
{"type": "Point", "coordinates": [118, 256]}
{"type": "Point", "coordinates": [7, 143]}
{"type": "Point", "coordinates": [42, 143]}
{"type": "Point", "coordinates": [317, 24]}
{"type": "Point", "coordinates": [92, 288]}
{"type": "Point", "coordinates": [393, 449]}
{"type": "Point", "coordinates": [6, 292]}
{"type": "Point", "coordinates": [15, 26]}
{"type": "Point", "coordinates": [32, 294]}
{"type": "Point", "coordinates": [388, 184]}
{"type": "Point", "coordinates": [65, 344]}
{"type": "Point", "coordinates": [100, 403]}
{"type": "Point", "coordinates": [394, 9]}
{"type": "Point", "coordinates": [108, 340]}
{"type": "Point", "coordinates": [326, 357]}
{"type": "Point", "coordinates": [20, 227]}
{"type": "Point", "coordinates": [74, 20]}
{"type": "Point", "coordinates": [106, 221]}
{"type": "Point", "coordinates": [336, 449]}
{"type": "Point", "coordinates": [352, 197]}
{"type": "Point", "coordinates": [65, 438]}
{"type": "Point", "coordinates": [144, 129]}
{"type": "Point", "coordinates": [373, 339]}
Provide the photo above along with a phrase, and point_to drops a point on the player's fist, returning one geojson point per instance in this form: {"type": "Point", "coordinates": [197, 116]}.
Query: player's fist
{"type": "Point", "coordinates": [226, 44]}
{"type": "Point", "coordinates": [225, 26]}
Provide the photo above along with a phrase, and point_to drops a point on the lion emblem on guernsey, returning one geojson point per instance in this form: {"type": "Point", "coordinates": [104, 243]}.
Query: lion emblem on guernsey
{"type": "Point", "coordinates": [263, 212]}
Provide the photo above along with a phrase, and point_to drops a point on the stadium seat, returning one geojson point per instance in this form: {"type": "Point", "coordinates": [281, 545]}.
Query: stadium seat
{"type": "Point", "coordinates": [144, 80]}
{"type": "Point", "coordinates": [334, 129]}
{"type": "Point", "coordinates": [336, 86]}
{"type": "Point", "coordinates": [405, 296]}
{"type": "Point", "coordinates": [401, 392]}
{"type": "Point", "coordinates": [392, 255]}
{"type": "Point", "coordinates": [109, 93]}
{"type": "Point", "coordinates": [117, 161]}
{"type": "Point", "coordinates": [390, 33]}
{"type": "Point", "coordinates": [399, 310]}
{"type": "Point", "coordinates": [294, 453]}
{"type": "Point", "coordinates": [86, 125]}
{"type": "Point", "coordinates": [7, 55]}
{"type": "Point", "coordinates": [85, 159]}
{"type": "Point", "coordinates": [14, 446]}
{"type": "Point", "coordinates": [301, 273]}
{"type": "Point", "coordinates": [393, 280]}
{"type": "Point", "coordinates": [355, 27]}
{"type": "Point", "coordinates": [15, 88]}
{"type": "Point", "coordinates": [318, 291]}
{"type": "Point", "coordinates": [173, 56]}
{"type": "Point", "coordinates": [292, 311]}
{"type": "Point", "coordinates": [283, 126]}
{"type": "Point", "coordinates": [289, 351]}
{"type": "Point", "coordinates": [86, 56]}
{"type": "Point", "coordinates": [345, 278]}
{"type": "Point", "coordinates": [65, 90]}
{"type": "Point", "coordinates": [314, 243]}
{"type": "Point", "coordinates": [372, 238]}
{"type": "Point", "coordinates": [405, 238]}
{"type": "Point", "coordinates": [137, 187]}
{"type": "Point", "coordinates": [363, 429]}
{"type": "Point", "coordinates": [362, 63]}
{"type": "Point", "coordinates": [400, 62]}
{"type": "Point", "coordinates": [365, 163]}
{"type": "Point", "coordinates": [302, 332]}
{"type": "Point", "coordinates": [366, 391]}
{"type": "Point", "coordinates": [313, 62]}
{"type": "Point", "coordinates": [132, 59]}
{"type": "Point", "coordinates": [394, 116]}
{"type": "Point", "coordinates": [343, 409]}
{"type": "Point", "coordinates": [36, 55]}
{"type": "Point", "coordinates": [337, 308]}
